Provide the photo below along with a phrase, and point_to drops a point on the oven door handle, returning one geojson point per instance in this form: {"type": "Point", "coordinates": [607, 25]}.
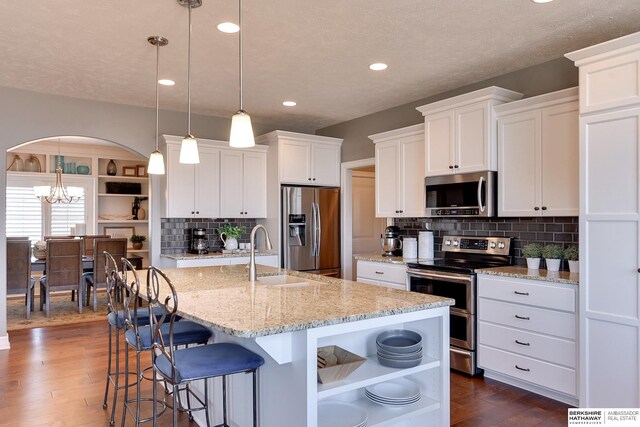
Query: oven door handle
{"type": "Point", "coordinates": [431, 275]}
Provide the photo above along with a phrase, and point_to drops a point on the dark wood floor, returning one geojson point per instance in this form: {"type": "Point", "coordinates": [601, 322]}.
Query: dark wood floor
{"type": "Point", "coordinates": [55, 377]}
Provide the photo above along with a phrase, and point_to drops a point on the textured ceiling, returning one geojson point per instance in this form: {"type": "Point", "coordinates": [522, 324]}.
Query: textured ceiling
{"type": "Point", "coordinates": [314, 52]}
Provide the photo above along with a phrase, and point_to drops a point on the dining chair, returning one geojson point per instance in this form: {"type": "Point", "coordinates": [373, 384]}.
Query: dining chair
{"type": "Point", "coordinates": [94, 279]}
{"type": "Point", "coordinates": [64, 271]}
{"type": "Point", "coordinates": [87, 244]}
{"type": "Point", "coordinates": [19, 280]}
{"type": "Point", "coordinates": [180, 367]}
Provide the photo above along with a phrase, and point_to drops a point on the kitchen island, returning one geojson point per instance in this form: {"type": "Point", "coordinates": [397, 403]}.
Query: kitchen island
{"type": "Point", "coordinates": [287, 319]}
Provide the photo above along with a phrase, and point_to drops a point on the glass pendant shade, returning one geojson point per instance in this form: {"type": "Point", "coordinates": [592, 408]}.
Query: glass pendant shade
{"type": "Point", "coordinates": [156, 163]}
{"type": "Point", "coordinates": [241, 131]}
{"type": "Point", "coordinates": [189, 151]}
{"type": "Point", "coordinates": [58, 194]}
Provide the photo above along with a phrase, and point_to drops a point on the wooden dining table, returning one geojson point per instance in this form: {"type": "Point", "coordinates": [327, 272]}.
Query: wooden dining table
{"type": "Point", "coordinates": [87, 263]}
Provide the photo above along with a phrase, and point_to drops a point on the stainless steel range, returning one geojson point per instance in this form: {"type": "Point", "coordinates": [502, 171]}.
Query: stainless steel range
{"type": "Point", "coordinates": [454, 277]}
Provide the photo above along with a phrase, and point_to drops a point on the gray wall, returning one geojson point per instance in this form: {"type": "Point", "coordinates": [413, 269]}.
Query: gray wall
{"type": "Point", "coordinates": [26, 116]}
{"type": "Point", "coordinates": [543, 78]}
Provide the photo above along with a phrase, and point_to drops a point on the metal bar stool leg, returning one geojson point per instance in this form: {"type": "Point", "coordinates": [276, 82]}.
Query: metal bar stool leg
{"type": "Point", "coordinates": [117, 377]}
{"type": "Point", "coordinates": [126, 385]}
{"type": "Point", "coordinates": [206, 402]}
{"type": "Point", "coordinates": [224, 400]}
{"type": "Point", "coordinates": [106, 391]}
{"type": "Point", "coordinates": [255, 398]}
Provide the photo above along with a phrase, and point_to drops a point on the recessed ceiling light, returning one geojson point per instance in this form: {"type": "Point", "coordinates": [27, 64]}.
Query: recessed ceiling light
{"type": "Point", "coordinates": [289, 103]}
{"type": "Point", "coordinates": [228, 27]}
{"type": "Point", "coordinates": [166, 82]}
{"type": "Point", "coordinates": [378, 66]}
{"type": "Point", "coordinates": [542, 1]}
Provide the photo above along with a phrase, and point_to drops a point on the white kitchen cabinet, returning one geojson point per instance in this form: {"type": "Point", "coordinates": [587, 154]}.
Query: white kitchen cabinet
{"type": "Point", "coordinates": [527, 334]}
{"type": "Point", "coordinates": [206, 261]}
{"type": "Point", "coordinates": [308, 159]}
{"type": "Point", "coordinates": [192, 191]}
{"type": "Point", "coordinates": [382, 274]}
{"type": "Point", "coordinates": [538, 156]}
{"type": "Point", "coordinates": [460, 132]}
{"type": "Point", "coordinates": [399, 158]}
{"type": "Point", "coordinates": [609, 223]}
{"type": "Point", "coordinates": [243, 183]}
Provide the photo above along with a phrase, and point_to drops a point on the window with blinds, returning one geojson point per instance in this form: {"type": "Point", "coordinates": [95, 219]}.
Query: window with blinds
{"type": "Point", "coordinates": [24, 213]}
{"type": "Point", "coordinates": [65, 216]}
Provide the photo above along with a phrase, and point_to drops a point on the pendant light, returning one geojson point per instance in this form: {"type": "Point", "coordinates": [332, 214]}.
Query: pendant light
{"type": "Point", "coordinates": [156, 160]}
{"type": "Point", "coordinates": [189, 147]}
{"type": "Point", "coordinates": [58, 194]}
{"type": "Point", "coordinates": [241, 135]}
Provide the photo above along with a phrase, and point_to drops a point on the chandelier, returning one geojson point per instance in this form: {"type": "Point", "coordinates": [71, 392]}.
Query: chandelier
{"type": "Point", "coordinates": [58, 194]}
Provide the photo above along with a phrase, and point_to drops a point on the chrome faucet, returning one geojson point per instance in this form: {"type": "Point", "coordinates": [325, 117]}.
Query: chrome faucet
{"type": "Point", "coordinates": [252, 257]}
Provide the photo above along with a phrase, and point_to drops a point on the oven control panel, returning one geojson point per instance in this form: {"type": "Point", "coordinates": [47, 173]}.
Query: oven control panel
{"type": "Point", "coordinates": [487, 245]}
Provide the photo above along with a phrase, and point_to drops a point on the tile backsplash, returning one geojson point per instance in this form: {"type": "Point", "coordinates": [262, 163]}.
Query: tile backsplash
{"type": "Point", "coordinates": [176, 232]}
{"type": "Point", "coordinates": [544, 230]}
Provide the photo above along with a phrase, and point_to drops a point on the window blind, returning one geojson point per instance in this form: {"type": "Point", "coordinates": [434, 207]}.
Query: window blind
{"type": "Point", "coordinates": [24, 213]}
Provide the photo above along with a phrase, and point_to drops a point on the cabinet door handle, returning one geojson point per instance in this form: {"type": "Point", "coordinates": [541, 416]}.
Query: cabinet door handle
{"type": "Point", "coordinates": [523, 343]}
{"type": "Point", "coordinates": [192, 212]}
{"type": "Point", "coordinates": [197, 212]}
{"type": "Point", "coordinates": [536, 208]}
{"type": "Point", "coordinates": [521, 293]}
{"type": "Point", "coordinates": [401, 211]}
{"type": "Point", "coordinates": [456, 166]}
{"type": "Point", "coordinates": [544, 208]}
{"type": "Point", "coordinates": [314, 179]}
{"type": "Point", "coordinates": [523, 317]}
{"type": "Point", "coordinates": [309, 179]}
{"type": "Point", "coordinates": [450, 166]}
{"type": "Point", "coordinates": [523, 369]}
{"type": "Point", "coordinates": [379, 272]}
{"type": "Point", "coordinates": [639, 270]}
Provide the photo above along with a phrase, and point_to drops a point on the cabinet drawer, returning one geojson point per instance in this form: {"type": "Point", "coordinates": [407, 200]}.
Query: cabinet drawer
{"type": "Point", "coordinates": [549, 349]}
{"type": "Point", "coordinates": [532, 319]}
{"type": "Point", "coordinates": [524, 368]}
{"type": "Point", "coordinates": [528, 292]}
{"type": "Point", "coordinates": [380, 271]}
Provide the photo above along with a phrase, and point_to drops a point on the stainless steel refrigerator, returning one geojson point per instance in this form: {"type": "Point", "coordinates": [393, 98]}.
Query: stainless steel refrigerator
{"type": "Point", "coordinates": [311, 229]}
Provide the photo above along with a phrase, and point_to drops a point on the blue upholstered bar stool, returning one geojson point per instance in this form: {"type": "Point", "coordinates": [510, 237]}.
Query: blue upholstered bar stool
{"type": "Point", "coordinates": [179, 367]}
{"type": "Point", "coordinates": [140, 338]}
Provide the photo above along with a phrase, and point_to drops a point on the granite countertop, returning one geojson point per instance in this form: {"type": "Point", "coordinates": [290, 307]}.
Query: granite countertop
{"type": "Point", "coordinates": [387, 259]}
{"type": "Point", "coordinates": [525, 273]}
{"type": "Point", "coordinates": [223, 298]}
{"type": "Point", "coordinates": [186, 255]}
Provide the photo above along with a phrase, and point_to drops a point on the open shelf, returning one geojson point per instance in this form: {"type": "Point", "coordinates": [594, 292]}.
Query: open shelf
{"type": "Point", "coordinates": [372, 372]}
{"type": "Point", "coordinates": [124, 178]}
{"type": "Point", "coordinates": [122, 221]}
{"type": "Point", "coordinates": [121, 195]}
{"type": "Point", "coordinates": [380, 415]}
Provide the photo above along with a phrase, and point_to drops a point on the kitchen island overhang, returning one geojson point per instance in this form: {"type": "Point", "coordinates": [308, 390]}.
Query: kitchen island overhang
{"type": "Point", "coordinates": [286, 323]}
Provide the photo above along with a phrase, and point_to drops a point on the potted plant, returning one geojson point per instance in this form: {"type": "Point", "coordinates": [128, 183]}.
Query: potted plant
{"type": "Point", "coordinates": [553, 256]}
{"type": "Point", "coordinates": [137, 240]}
{"type": "Point", "coordinates": [572, 254]}
{"type": "Point", "coordinates": [229, 234]}
{"type": "Point", "coordinates": [532, 252]}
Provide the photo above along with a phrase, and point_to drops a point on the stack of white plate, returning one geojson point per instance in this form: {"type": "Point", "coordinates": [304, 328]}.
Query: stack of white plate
{"type": "Point", "coordinates": [399, 348]}
{"type": "Point", "coordinates": [398, 392]}
{"type": "Point", "coordinates": [340, 414]}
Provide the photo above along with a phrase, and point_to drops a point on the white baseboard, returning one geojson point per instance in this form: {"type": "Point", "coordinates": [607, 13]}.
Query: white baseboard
{"type": "Point", "coordinates": [551, 394]}
{"type": "Point", "coordinates": [4, 342]}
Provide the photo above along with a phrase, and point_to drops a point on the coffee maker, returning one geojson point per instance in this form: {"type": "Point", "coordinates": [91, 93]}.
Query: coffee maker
{"type": "Point", "coordinates": [199, 243]}
{"type": "Point", "coordinates": [390, 241]}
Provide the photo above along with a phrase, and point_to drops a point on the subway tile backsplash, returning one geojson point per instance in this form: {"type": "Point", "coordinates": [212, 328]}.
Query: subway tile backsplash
{"type": "Point", "coordinates": [544, 230]}
{"type": "Point", "coordinates": [176, 232]}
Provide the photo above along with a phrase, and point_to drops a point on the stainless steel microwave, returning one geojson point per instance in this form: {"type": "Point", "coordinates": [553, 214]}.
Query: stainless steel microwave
{"type": "Point", "coordinates": [462, 195]}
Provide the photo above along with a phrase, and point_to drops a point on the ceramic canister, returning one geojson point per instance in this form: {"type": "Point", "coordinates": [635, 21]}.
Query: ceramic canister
{"type": "Point", "coordinates": [409, 247]}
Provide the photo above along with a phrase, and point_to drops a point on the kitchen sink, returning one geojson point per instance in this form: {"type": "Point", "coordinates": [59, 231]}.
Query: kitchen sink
{"type": "Point", "coordinates": [283, 281]}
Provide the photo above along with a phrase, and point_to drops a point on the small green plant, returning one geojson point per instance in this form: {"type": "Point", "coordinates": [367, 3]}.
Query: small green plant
{"type": "Point", "coordinates": [137, 238]}
{"type": "Point", "coordinates": [571, 253]}
{"type": "Point", "coordinates": [232, 231]}
{"type": "Point", "coordinates": [552, 252]}
{"type": "Point", "coordinates": [532, 250]}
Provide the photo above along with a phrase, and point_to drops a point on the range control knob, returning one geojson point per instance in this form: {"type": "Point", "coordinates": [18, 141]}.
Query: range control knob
{"type": "Point", "coordinates": [447, 242]}
{"type": "Point", "coordinates": [493, 245]}
{"type": "Point", "coordinates": [501, 245]}
{"type": "Point", "coordinates": [455, 243]}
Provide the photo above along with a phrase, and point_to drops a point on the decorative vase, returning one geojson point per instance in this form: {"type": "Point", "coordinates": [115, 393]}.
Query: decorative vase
{"type": "Point", "coordinates": [112, 169]}
{"type": "Point", "coordinates": [32, 164]}
{"type": "Point", "coordinates": [137, 245]}
{"type": "Point", "coordinates": [533, 263]}
{"type": "Point", "coordinates": [553, 264]}
{"type": "Point", "coordinates": [230, 243]}
{"type": "Point", "coordinates": [574, 266]}
{"type": "Point", "coordinates": [142, 214]}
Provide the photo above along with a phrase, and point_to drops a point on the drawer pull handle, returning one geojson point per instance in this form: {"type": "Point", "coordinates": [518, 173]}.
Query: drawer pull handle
{"type": "Point", "coordinates": [521, 293]}
{"type": "Point", "coordinates": [523, 369]}
{"type": "Point", "coordinates": [522, 343]}
{"type": "Point", "coordinates": [379, 272]}
{"type": "Point", "coordinates": [523, 317]}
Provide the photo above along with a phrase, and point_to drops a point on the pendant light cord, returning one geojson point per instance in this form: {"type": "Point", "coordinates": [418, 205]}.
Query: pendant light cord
{"type": "Point", "coordinates": [240, 46]}
{"type": "Point", "coordinates": [189, 77]}
{"type": "Point", "coordinates": [157, 88]}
